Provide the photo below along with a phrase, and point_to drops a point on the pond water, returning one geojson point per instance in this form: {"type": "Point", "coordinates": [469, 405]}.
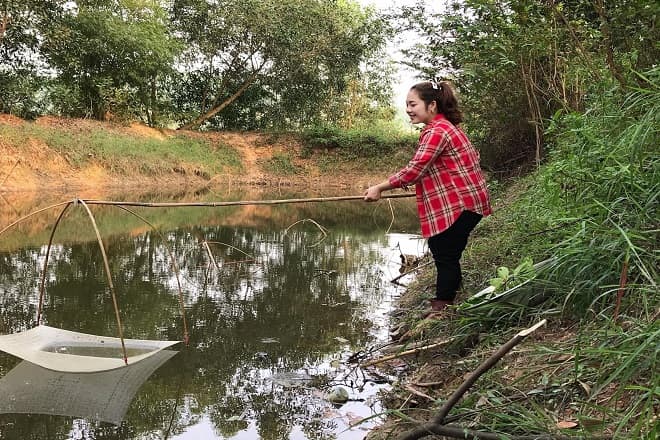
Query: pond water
{"type": "Point", "coordinates": [277, 299]}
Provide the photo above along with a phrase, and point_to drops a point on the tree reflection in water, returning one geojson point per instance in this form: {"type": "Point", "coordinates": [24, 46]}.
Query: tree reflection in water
{"type": "Point", "coordinates": [295, 306]}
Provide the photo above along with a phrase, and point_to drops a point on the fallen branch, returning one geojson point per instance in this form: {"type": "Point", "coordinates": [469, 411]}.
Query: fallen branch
{"type": "Point", "coordinates": [406, 353]}
{"type": "Point", "coordinates": [437, 427]}
{"type": "Point", "coordinates": [394, 280]}
{"type": "Point", "coordinates": [464, 433]}
{"type": "Point", "coordinates": [419, 393]}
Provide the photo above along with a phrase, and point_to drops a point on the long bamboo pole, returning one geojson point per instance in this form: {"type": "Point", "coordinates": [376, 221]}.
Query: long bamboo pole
{"type": "Point", "coordinates": [33, 213]}
{"type": "Point", "coordinates": [238, 202]}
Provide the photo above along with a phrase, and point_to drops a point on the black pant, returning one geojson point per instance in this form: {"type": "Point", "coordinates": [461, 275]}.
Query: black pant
{"type": "Point", "coordinates": [447, 248]}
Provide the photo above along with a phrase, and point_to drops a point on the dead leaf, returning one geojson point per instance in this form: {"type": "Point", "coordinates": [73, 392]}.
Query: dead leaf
{"type": "Point", "coordinates": [353, 419]}
{"type": "Point", "coordinates": [585, 387]}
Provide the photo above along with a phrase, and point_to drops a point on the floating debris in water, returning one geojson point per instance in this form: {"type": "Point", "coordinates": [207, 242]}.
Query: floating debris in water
{"type": "Point", "coordinates": [291, 379]}
{"type": "Point", "coordinates": [270, 341]}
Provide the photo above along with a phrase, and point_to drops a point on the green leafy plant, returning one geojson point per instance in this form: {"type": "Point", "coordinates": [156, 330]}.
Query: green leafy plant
{"type": "Point", "coordinates": [509, 278]}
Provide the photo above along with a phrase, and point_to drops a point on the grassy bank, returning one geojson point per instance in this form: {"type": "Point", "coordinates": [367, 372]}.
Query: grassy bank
{"type": "Point", "coordinates": [59, 148]}
{"type": "Point", "coordinates": [378, 147]}
{"type": "Point", "coordinates": [591, 214]}
{"type": "Point", "coordinates": [123, 153]}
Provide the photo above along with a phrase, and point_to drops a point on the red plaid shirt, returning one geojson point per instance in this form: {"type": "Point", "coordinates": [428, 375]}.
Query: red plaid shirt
{"type": "Point", "coordinates": [447, 177]}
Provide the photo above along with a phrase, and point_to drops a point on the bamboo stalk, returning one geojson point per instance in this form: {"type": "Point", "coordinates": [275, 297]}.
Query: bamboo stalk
{"type": "Point", "coordinates": [437, 426]}
{"type": "Point", "coordinates": [107, 272]}
{"type": "Point", "coordinates": [31, 214]}
{"type": "Point", "coordinates": [237, 202]}
{"type": "Point", "coordinates": [42, 286]}
{"type": "Point", "coordinates": [208, 251]}
{"type": "Point", "coordinates": [487, 365]}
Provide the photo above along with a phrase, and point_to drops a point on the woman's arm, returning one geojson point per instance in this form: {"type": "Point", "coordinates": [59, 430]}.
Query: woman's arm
{"type": "Point", "coordinates": [373, 192]}
{"type": "Point", "coordinates": [431, 145]}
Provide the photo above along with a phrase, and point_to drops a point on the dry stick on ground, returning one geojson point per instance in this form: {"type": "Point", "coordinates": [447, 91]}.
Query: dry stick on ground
{"type": "Point", "coordinates": [437, 427]}
{"type": "Point", "coordinates": [407, 352]}
{"type": "Point", "coordinates": [419, 393]}
{"type": "Point", "coordinates": [393, 347]}
{"type": "Point", "coordinates": [428, 384]}
{"type": "Point", "coordinates": [464, 433]}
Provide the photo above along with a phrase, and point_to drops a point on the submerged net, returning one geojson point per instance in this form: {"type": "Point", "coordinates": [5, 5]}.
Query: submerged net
{"type": "Point", "coordinates": [103, 396]}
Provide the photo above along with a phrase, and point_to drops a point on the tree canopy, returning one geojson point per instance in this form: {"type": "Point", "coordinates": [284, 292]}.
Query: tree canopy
{"type": "Point", "coordinates": [518, 62]}
{"type": "Point", "coordinates": [227, 63]}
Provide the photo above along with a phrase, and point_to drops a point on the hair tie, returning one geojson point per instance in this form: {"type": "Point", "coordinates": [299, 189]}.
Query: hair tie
{"type": "Point", "coordinates": [436, 83]}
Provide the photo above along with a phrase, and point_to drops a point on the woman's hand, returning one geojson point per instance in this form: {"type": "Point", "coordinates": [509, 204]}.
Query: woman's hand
{"type": "Point", "coordinates": [372, 193]}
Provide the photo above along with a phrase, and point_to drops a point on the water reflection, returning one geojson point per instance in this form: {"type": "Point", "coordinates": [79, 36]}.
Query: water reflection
{"type": "Point", "coordinates": [272, 300]}
{"type": "Point", "coordinates": [103, 396]}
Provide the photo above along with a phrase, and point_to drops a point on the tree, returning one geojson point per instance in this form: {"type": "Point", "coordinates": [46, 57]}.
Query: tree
{"type": "Point", "coordinates": [276, 60]}
{"type": "Point", "coordinates": [112, 54]}
{"type": "Point", "coordinates": [22, 70]}
{"type": "Point", "coordinates": [518, 62]}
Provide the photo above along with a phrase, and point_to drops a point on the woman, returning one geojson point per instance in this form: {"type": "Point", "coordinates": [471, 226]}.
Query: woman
{"type": "Point", "coordinates": [452, 196]}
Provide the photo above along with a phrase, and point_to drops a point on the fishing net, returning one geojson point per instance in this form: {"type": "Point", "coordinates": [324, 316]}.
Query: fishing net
{"type": "Point", "coordinates": [73, 352]}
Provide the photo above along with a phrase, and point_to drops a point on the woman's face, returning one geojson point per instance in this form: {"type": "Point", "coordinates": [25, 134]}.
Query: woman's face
{"type": "Point", "coordinates": [417, 110]}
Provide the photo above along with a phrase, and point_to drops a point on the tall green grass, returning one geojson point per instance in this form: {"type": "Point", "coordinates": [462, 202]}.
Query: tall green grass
{"type": "Point", "coordinates": [604, 176]}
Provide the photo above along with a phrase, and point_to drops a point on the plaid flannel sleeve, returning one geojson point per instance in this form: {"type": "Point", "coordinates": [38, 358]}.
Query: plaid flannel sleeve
{"type": "Point", "coordinates": [431, 145]}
